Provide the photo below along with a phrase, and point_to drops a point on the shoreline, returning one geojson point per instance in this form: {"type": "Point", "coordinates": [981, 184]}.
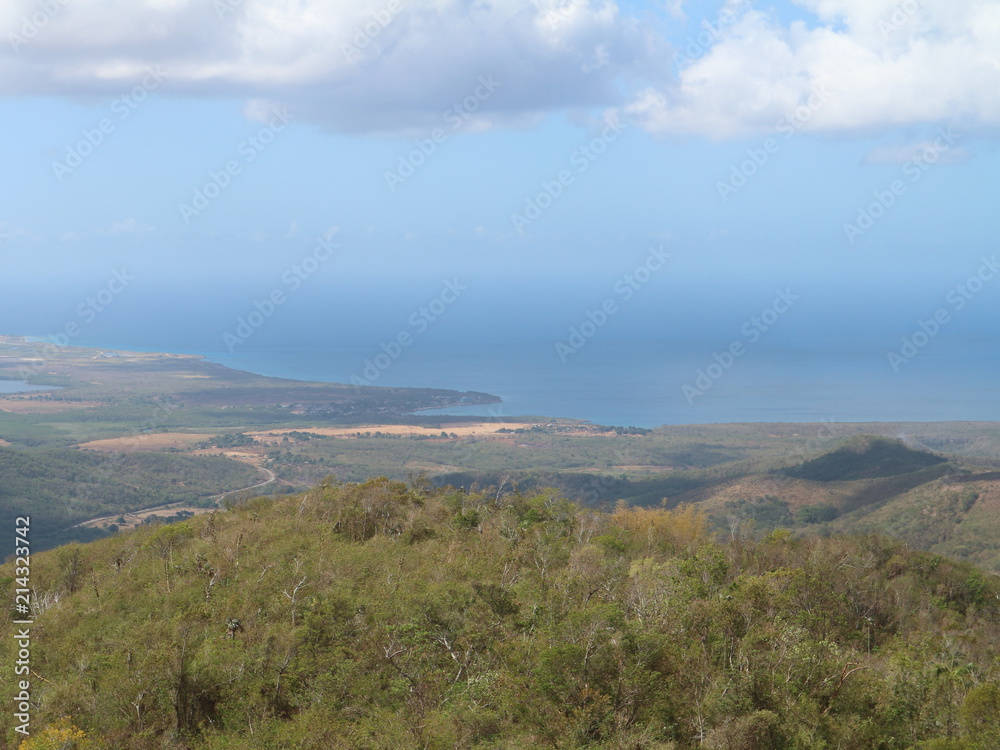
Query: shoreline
{"type": "Point", "coordinates": [214, 358]}
{"type": "Point", "coordinates": [42, 351]}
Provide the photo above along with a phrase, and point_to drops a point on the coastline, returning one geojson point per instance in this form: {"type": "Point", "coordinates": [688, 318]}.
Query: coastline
{"type": "Point", "coordinates": [32, 360]}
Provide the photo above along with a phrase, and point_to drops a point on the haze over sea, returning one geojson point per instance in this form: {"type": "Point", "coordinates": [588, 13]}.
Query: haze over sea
{"type": "Point", "coordinates": [813, 362]}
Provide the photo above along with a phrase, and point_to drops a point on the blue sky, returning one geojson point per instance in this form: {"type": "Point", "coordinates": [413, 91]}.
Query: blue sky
{"type": "Point", "coordinates": [747, 138]}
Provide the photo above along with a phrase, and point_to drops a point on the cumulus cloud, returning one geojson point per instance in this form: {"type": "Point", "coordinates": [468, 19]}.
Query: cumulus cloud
{"type": "Point", "coordinates": [399, 66]}
{"type": "Point", "coordinates": [351, 65]}
{"type": "Point", "coordinates": [885, 63]}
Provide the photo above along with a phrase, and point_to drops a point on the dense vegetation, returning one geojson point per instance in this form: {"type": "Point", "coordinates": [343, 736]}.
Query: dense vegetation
{"type": "Point", "coordinates": [386, 615]}
{"type": "Point", "coordinates": [950, 516]}
{"type": "Point", "coordinates": [62, 487]}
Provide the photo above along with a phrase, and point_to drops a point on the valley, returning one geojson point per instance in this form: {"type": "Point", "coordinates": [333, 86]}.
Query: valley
{"type": "Point", "coordinates": [146, 426]}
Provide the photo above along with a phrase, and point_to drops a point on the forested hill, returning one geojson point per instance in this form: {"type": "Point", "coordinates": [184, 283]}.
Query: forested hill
{"type": "Point", "coordinates": [865, 457]}
{"type": "Point", "coordinates": [382, 615]}
{"type": "Point", "coordinates": [59, 487]}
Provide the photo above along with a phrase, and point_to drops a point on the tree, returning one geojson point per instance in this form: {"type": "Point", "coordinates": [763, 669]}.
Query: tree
{"type": "Point", "coordinates": [981, 716]}
{"type": "Point", "coordinates": [62, 735]}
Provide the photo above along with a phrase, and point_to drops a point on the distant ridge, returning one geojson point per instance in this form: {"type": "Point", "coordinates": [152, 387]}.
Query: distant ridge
{"type": "Point", "coordinates": [865, 457]}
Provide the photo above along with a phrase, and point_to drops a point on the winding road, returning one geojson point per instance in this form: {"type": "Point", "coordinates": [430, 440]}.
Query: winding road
{"type": "Point", "coordinates": [271, 477]}
{"type": "Point", "coordinates": [179, 505]}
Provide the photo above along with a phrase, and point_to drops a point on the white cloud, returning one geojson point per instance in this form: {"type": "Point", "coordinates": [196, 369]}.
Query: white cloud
{"type": "Point", "coordinates": [675, 8]}
{"type": "Point", "coordinates": [352, 65]}
{"type": "Point", "coordinates": [395, 66]}
{"type": "Point", "coordinates": [885, 63]}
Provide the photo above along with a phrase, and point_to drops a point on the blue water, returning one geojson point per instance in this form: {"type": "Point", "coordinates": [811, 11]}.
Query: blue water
{"type": "Point", "coordinates": [641, 382]}
{"type": "Point", "coordinates": [825, 360]}
{"type": "Point", "coordinates": [19, 386]}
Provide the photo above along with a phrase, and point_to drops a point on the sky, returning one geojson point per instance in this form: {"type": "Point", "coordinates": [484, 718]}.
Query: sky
{"type": "Point", "coordinates": [536, 152]}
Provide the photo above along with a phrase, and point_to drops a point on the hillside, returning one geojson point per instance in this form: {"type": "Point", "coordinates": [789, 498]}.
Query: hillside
{"type": "Point", "coordinates": [957, 516]}
{"type": "Point", "coordinates": [868, 485]}
{"type": "Point", "coordinates": [382, 615]}
{"type": "Point", "coordinates": [62, 487]}
{"type": "Point", "coordinates": [865, 457]}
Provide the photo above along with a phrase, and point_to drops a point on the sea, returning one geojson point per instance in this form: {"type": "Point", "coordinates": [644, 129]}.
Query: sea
{"type": "Point", "coordinates": [682, 361]}
{"type": "Point", "coordinates": [652, 383]}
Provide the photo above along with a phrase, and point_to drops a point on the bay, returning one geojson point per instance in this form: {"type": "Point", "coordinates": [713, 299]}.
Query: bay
{"type": "Point", "coordinates": [642, 383]}
{"type": "Point", "coordinates": [20, 386]}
